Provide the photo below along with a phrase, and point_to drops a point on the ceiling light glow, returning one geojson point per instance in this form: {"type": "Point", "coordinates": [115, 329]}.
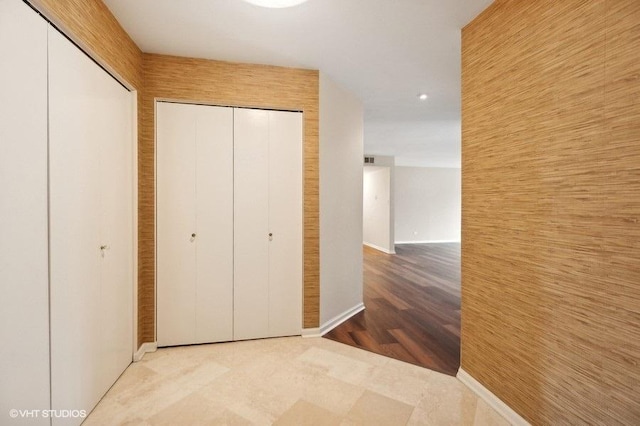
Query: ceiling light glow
{"type": "Point", "coordinates": [423, 96]}
{"type": "Point", "coordinates": [276, 3]}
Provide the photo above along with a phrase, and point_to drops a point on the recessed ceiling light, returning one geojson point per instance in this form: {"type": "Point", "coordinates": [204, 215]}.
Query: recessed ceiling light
{"type": "Point", "coordinates": [276, 3]}
{"type": "Point", "coordinates": [423, 96]}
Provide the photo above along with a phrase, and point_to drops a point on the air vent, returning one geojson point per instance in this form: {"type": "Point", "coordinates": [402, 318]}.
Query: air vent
{"type": "Point", "coordinates": [369, 160]}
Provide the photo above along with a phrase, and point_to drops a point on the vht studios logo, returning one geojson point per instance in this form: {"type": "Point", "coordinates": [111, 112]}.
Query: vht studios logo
{"type": "Point", "coordinates": [14, 414]}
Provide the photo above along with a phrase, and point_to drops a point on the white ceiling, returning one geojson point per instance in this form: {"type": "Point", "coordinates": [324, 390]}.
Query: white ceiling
{"type": "Point", "coordinates": [384, 51]}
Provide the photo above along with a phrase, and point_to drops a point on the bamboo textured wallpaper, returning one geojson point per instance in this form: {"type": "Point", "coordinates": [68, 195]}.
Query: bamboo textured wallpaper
{"type": "Point", "coordinates": [230, 84]}
{"type": "Point", "coordinates": [93, 27]}
{"type": "Point", "coordinates": [551, 208]}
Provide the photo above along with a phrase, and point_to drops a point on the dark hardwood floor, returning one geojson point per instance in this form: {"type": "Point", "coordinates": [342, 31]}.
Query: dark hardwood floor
{"type": "Point", "coordinates": [412, 302]}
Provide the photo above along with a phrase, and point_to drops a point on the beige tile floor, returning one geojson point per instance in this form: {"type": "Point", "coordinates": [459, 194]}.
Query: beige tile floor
{"type": "Point", "coordinates": [286, 381]}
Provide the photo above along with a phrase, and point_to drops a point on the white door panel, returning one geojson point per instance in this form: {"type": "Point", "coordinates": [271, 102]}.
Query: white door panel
{"type": "Point", "coordinates": [251, 224]}
{"type": "Point", "coordinates": [268, 200]}
{"type": "Point", "coordinates": [285, 222]}
{"type": "Point", "coordinates": [116, 168]}
{"type": "Point", "coordinates": [90, 140]}
{"type": "Point", "coordinates": [214, 257]}
{"type": "Point", "coordinates": [75, 220]}
{"type": "Point", "coordinates": [24, 304]}
{"type": "Point", "coordinates": [176, 222]}
{"type": "Point", "coordinates": [232, 177]}
{"type": "Point", "coordinates": [195, 197]}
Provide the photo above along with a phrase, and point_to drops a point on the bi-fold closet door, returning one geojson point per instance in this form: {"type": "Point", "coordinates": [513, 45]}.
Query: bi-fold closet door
{"type": "Point", "coordinates": [229, 223]}
{"type": "Point", "coordinates": [66, 190]}
{"type": "Point", "coordinates": [194, 223]}
{"type": "Point", "coordinates": [267, 223]}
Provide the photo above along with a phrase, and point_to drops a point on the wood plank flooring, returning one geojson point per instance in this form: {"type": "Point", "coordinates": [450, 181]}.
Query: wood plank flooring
{"type": "Point", "coordinates": [412, 302]}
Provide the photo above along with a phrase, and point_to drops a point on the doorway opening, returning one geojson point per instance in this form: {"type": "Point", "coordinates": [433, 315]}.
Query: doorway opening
{"type": "Point", "coordinates": [411, 286]}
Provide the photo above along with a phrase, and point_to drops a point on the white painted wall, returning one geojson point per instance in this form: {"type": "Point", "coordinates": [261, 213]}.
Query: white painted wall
{"type": "Point", "coordinates": [341, 158]}
{"type": "Point", "coordinates": [427, 204]}
{"type": "Point", "coordinates": [376, 208]}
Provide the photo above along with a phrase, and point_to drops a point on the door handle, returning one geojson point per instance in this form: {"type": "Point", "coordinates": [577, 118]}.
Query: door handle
{"type": "Point", "coordinates": [270, 236]}
{"type": "Point", "coordinates": [102, 249]}
{"type": "Point", "coordinates": [193, 237]}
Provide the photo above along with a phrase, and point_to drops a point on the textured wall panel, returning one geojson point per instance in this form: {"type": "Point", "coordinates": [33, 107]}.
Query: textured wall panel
{"type": "Point", "coordinates": [232, 84]}
{"type": "Point", "coordinates": [91, 25]}
{"type": "Point", "coordinates": [551, 208]}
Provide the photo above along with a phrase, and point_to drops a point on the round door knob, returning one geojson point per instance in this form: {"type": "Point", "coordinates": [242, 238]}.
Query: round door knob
{"type": "Point", "coordinates": [193, 235]}
{"type": "Point", "coordinates": [270, 234]}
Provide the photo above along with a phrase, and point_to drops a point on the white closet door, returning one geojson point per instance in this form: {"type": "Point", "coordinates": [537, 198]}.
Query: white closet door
{"type": "Point", "coordinates": [90, 132]}
{"type": "Point", "coordinates": [24, 287]}
{"type": "Point", "coordinates": [251, 224]}
{"type": "Point", "coordinates": [116, 189]}
{"type": "Point", "coordinates": [176, 222]}
{"type": "Point", "coordinates": [267, 223]}
{"type": "Point", "coordinates": [285, 222]}
{"type": "Point", "coordinates": [194, 223]}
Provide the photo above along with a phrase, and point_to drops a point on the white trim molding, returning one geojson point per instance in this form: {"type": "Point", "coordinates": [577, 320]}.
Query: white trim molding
{"type": "Point", "coordinates": [493, 401]}
{"type": "Point", "coordinates": [144, 348]}
{"type": "Point", "coordinates": [311, 332]}
{"type": "Point", "coordinates": [427, 242]}
{"type": "Point", "coordinates": [373, 246]}
{"type": "Point", "coordinates": [134, 213]}
{"type": "Point", "coordinates": [333, 322]}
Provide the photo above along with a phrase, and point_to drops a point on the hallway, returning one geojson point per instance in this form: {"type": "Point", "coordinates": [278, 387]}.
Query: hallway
{"type": "Point", "coordinates": [412, 302]}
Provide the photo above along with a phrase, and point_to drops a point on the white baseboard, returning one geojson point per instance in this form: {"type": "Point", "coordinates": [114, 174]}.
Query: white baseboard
{"type": "Point", "coordinates": [384, 250]}
{"type": "Point", "coordinates": [428, 242]}
{"type": "Point", "coordinates": [311, 332]}
{"type": "Point", "coordinates": [144, 348]}
{"type": "Point", "coordinates": [493, 401]}
{"type": "Point", "coordinates": [333, 322]}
